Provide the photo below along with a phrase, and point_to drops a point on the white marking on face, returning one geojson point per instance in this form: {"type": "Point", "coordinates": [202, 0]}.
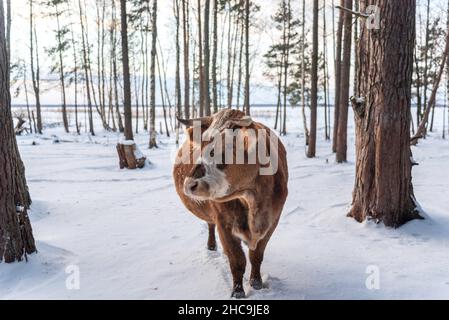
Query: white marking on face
{"type": "Point", "coordinates": [219, 186]}
{"type": "Point", "coordinates": [216, 179]}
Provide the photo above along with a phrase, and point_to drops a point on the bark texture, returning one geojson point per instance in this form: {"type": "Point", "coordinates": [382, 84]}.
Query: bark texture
{"type": "Point", "coordinates": [345, 69]}
{"type": "Point", "coordinates": [16, 236]}
{"type": "Point", "coordinates": [311, 152]}
{"type": "Point", "coordinates": [383, 188]}
{"type": "Point", "coordinates": [126, 73]}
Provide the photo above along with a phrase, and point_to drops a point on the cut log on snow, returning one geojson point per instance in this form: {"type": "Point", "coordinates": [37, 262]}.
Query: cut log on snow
{"type": "Point", "coordinates": [130, 156]}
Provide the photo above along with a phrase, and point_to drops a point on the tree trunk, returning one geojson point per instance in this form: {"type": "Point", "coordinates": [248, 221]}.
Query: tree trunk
{"type": "Point", "coordinates": [186, 38]}
{"type": "Point", "coordinates": [303, 74]}
{"type": "Point", "coordinates": [86, 71]}
{"type": "Point", "coordinates": [326, 78]}
{"type": "Point", "coordinates": [153, 132]}
{"type": "Point", "coordinates": [240, 70]}
{"type": "Point", "coordinates": [65, 120]}
{"type": "Point", "coordinates": [115, 68]}
{"type": "Point", "coordinates": [178, 102]}
{"type": "Point", "coordinates": [286, 64]}
{"type": "Point", "coordinates": [214, 58]}
{"type": "Point", "coordinates": [25, 89]}
{"type": "Point", "coordinates": [311, 152]}
{"type": "Point", "coordinates": [8, 30]}
{"type": "Point", "coordinates": [126, 74]}
{"type": "Point", "coordinates": [247, 105]}
{"type": "Point", "coordinates": [356, 39]}
{"type": "Point", "coordinates": [426, 56]}
{"type": "Point", "coordinates": [229, 69]}
{"type": "Point", "coordinates": [16, 236]}
{"type": "Point", "coordinates": [35, 71]}
{"type": "Point", "coordinates": [161, 85]}
{"type": "Point", "coordinates": [383, 188]}
{"type": "Point", "coordinates": [200, 57]}
{"type": "Point", "coordinates": [75, 72]}
{"type": "Point", "coordinates": [338, 51]}
{"type": "Point", "coordinates": [206, 69]}
{"type": "Point", "coordinates": [342, 136]}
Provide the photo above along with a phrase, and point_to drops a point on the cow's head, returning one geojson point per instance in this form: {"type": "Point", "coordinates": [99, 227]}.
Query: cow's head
{"type": "Point", "coordinates": [218, 170]}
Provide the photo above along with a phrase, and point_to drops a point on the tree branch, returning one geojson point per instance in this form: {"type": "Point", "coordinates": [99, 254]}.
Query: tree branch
{"type": "Point", "coordinates": [355, 13]}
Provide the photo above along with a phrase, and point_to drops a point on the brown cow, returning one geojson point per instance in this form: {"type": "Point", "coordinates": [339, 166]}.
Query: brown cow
{"type": "Point", "coordinates": [244, 204]}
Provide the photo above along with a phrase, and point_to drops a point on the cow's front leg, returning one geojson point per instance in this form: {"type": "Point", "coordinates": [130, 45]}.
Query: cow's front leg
{"type": "Point", "coordinates": [233, 249]}
{"type": "Point", "coordinates": [256, 258]}
{"type": "Point", "coordinates": [258, 220]}
{"type": "Point", "coordinates": [211, 242]}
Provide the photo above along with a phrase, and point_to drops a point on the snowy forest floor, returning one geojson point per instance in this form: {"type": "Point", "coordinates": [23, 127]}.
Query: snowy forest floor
{"type": "Point", "coordinates": [131, 238]}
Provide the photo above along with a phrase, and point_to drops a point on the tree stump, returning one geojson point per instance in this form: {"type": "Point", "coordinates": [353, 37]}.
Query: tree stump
{"type": "Point", "coordinates": [20, 127]}
{"type": "Point", "coordinates": [130, 156]}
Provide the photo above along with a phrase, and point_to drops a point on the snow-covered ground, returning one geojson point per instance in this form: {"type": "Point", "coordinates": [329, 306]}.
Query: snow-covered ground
{"type": "Point", "coordinates": [129, 236]}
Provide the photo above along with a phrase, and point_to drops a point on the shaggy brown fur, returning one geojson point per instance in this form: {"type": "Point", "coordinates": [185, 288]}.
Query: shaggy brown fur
{"type": "Point", "coordinates": [250, 210]}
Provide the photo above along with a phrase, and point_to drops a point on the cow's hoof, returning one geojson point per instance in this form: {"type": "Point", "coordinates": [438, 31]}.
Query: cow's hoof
{"type": "Point", "coordinates": [238, 292]}
{"type": "Point", "coordinates": [256, 284]}
{"type": "Point", "coordinates": [212, 247]}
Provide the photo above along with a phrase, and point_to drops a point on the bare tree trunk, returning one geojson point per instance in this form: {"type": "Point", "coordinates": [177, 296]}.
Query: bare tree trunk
{"type": "Point", "coordinates": [279, 100]}
{"type": "Point", "coordinates": [103, 71]}
{"type": "Point", "coordinates": [89, 69]}
{"type": "Point", "coordinates": [214, 58]}
{"type": "Point", "coordinates": [165, 86]}
{"type": "Point", "coordinates": [86, 71]}
{"type": "Point", "coordinates": [115, 68]}
{"type": "Point", "coordinates": [75, 72]}
{"type": "Point", "coordinates": [229, 61]}
{"type": "Point", "coordinates": [240, 71]}
{"type": "Point", "coordinates": [426, 57]}
{"type": "Point", "coordinates": [144, 101]}
{"type": "Point", "coordinates": [342, 137]}
{"type": "Point", "coordinates": [311, 153]}
{"type": "Point", "coordinates": [326, 78]}
{"type": "Point", "coordinates": [178, 60]}
{"type": "Point", "coordinates": [8, 30]}
{"type": "Point", "coordinates": [338, 76]}
{"type": "Point", "coordinates": [186, 38]}
{"type": "Point", "coordinates": [233, 62]}
{"type": "Point", "coordinates": [446, 113]}
{"type": "Point", "coordinates": [247, 105]}
{"type": "Point", "coordinates": [303, 74]}
{"type": "Point", "coordinates": [136, 91]}
{"type": "Point", "coordinates": [201, 62]}
{"type": "Point", "coordinates": [161, 85]}
{"type": "Point", "coordinates": [356, 39]}
{"type": "Point", "coordinates": [153, 132]}
{"type": "Point", "coordinates": [286, 65]}
{"type": "Point", "coordinates": [61, 72]}
{"type": "Point", "coordinates": [206, 77]}
{"type": "Point", "coordinates": [35, 70]}
{"type": "Point", "coordinates": [126, 74]}
{"type": "Point", "coordinates": [99, 59]}
{"type": "Point", "coordinates": [418, 87]}
{"type": "Point", "coordinates": [383, 188]}
{"type": "Point", "coordinates": [16, 236]}
{"type": "Point", "coordinates": [25, 87]}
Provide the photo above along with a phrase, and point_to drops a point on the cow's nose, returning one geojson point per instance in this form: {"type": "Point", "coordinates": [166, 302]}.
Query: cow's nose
{"type": "Point", "coordinates": [193, 186]}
